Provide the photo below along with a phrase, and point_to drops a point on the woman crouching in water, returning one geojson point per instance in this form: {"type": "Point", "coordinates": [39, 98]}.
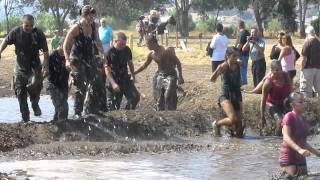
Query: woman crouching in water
{"type": "Point", "coordinates": [294, 148]}
{"type": "Point", "coordinates": [231, 97]}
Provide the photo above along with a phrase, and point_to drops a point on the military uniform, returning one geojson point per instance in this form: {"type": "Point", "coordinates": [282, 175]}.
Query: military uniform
{"type": "Point", "coordinates": [28, 67]}
{"type": "Point", "coordinates": [58, 85]}
{"type": "Point", "coordinates": [118, 60]}
{"type": "Point", "coordinates": [83, 69]}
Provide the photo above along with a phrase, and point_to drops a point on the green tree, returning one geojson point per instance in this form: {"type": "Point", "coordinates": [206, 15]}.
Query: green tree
{"type": "Point", "coordinates": [59, 9]}
{"type": "Point", "coordinates": [286, 14]}
{"type": "Point", "coordinates": [262, 10]}
{"type": "Point", "coordinates": [10, 8]}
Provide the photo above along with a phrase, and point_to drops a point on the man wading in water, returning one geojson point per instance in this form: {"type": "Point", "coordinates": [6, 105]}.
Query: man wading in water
{"type": "Point", "coordinates": [83, 37]}
{"type": "Point", "coordinates": [165, 79]}
{"type": "Point", "coordinates": [28, 40]}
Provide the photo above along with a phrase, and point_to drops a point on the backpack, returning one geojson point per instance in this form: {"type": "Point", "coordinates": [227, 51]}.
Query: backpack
{"type": "Point", "coordinates": [209, 50]}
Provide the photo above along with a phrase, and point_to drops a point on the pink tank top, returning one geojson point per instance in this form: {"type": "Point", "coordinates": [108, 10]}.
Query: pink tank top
{"type": "Point", "coordinates": [277, 94]}
{"type": "Point", "coordinates": [288, 62]}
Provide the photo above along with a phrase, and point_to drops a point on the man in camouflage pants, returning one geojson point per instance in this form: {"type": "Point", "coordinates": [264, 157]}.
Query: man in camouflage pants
{"type": "Point", "coordinates": [28, 40]}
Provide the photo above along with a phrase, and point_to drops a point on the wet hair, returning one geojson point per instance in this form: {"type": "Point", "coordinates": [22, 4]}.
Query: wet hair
{"type": "Point", "coordinates": [288, 39]}
{"type": "Point", "coordinates": [151, 40]}
{"type": "Point", "coordinates": [242, 24]}
{"type": "Point", "coordinates": [219, 27]}
{"type": "Point", "coordinates": [275, 64]}
{"type": "Point", "coordinates": [281, 33]}
{"type": "Point", "coordinates": [27, 17]}
{"type": "Point", "coordinates": [232, 50]}
{"type": "Point", "coordinates": [120, 36]}
{"type": "Point", "coordinates": [86, 10]}
{"type": "Point", "coordinates": [294, 96]}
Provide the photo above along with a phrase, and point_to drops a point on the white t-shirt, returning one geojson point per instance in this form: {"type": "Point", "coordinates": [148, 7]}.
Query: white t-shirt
{"type": "Point", "coordinates": [219, 44]}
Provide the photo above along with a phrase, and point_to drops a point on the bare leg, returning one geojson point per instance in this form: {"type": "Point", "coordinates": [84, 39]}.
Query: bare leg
{"type": "Point", "coordinates": [230, 112]}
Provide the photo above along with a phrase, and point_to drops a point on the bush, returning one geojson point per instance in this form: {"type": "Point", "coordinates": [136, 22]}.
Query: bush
{"type": "Point", "coordinates": [274, 26]}
{"type": "Point", "coordinates": [13, 22]}
{"type": "Point", "coordinates": [206, 25]}
{"type": "Point", "coordinates": [316, 24]}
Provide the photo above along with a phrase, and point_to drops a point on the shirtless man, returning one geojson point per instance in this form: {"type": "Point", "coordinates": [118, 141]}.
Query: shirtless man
{"type": "Point", "coordinates": [165, 79]}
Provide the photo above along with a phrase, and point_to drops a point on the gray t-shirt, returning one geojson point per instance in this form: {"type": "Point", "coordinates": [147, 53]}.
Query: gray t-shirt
{"type": "Point", "coordinates": [255, 54]}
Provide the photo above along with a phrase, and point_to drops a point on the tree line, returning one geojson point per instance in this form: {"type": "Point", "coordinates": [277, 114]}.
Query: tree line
{"type": "Point", "coordinates": [126, 11]}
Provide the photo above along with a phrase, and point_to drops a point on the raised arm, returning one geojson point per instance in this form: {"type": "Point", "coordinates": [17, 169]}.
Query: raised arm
{"type": "Point", "coordinates": [217, 73]}
{"type": "Point", "coordinates": [145, 64]}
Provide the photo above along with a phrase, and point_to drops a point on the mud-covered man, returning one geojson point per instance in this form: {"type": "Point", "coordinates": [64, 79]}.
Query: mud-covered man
{"type": "Point", "coordinates": [58, 83]}
{"type": "Point", "coordinates": [28, 41]}
{"type": "Point", "coordinates": [165, 79]}
{"type": "Point", "coordinates": [120, 83]}
{"type": "Point", "coordinates": [79, 47]}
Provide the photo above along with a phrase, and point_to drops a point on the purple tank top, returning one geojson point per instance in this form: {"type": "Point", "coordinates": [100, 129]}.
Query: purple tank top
{"type": "Point", "coordinates": [277, 93]}
{"type": "Point", "coordinates": [299, 133]}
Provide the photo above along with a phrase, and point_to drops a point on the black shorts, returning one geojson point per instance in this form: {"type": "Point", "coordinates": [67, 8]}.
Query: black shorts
{"type": "Point", "coordinates": [215, 64]}
{"type": "Point", "coordinates": [292, 74]}
{"type": "Point", "coordinates": [278, 111]}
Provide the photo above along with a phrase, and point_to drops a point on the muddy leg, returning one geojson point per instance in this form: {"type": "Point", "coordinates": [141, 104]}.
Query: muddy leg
{"type": "Point", "coordinates": [21, 93]}
{"type": "Point", "coordinates": [171, 93]}
{"type": "Point", "coordinates": [132, 95]}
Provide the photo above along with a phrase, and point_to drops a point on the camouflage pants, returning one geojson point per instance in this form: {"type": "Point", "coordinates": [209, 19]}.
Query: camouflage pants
{"type": "Point", "coordinates": [83, 78]}
{"type": "Point", "coordinates": [128, 89]}
{"type": "Point", "coordinates": [22, 91]}
{"type": "Point", "coordinates": [165, 91]}
{"type": "Point", "coordinates": [59, 97]}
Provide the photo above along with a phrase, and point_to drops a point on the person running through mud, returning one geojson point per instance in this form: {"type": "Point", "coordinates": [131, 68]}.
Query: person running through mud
{"type": "Point", "coordinates": [28, 41]}
{"type": "Point", "coordinates": [58, 83]}
{"type": "Point", "coordinates": [275, 89]}
{"type": "Point", "coordinates": [118, 58]}
{"type": "Point", "coordinates": [79, 47]}
{"type": "Point", "coordinates": [231, 97]}
{"type": "Point", "coordinates": [165, 79]}
{"type": "Point", "coordinates": [294, 148]}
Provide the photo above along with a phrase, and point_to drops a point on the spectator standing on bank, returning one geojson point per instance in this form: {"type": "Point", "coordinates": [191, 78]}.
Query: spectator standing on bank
{"type": "Point", "coordinates": [219, 44]}
{"type": "Point", "coordinates": [310, 66]}
{"type": "Point", "coordinates": [244, 55]}
{"type": "Point", "coordinates": [256, 45]}
{"type": "Point", "coordinates": [105, 34]}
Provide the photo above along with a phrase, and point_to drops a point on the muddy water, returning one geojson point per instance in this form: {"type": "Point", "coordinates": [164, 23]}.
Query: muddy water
{"type": "Point", "coordinates": [10, 111]}
{"type": "Point", "coordinates": [249, 158]}
{"type": "Point", "coordinates": [227, 158]}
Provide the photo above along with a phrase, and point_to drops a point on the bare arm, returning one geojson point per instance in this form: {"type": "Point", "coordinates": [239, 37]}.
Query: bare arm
{"type": "Point", "coordinates": [312, 150]}
{"type": "Point", "coordinates": [286, 131]}
{"type": "Point", "coordinates": [217, 73]}
{"type": "Point", "coordinates": [265, 91]}
{"type": "Point", "coordinates": [145, 64]}
{"type": "Point", "coordinates": [131, 69]}
{"type": "Point", "coordinates": [113, 83]}
{"type": "Point", "coordinates": [179, 67]}
{"type": "Point", "coordinates": [45, 64]}
{"type": "Point", "coordinates": [283, 52]}
{"type": "Point", "coordinates": [3, 46]}
{"type": "Point", "coordinates": [246, 46]}
{"type": "Point", "coordinates": [72, 33]}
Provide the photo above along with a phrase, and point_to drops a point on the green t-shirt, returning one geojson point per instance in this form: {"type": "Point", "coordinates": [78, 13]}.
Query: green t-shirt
{"type": "Point", "coordinates": [55, 42]}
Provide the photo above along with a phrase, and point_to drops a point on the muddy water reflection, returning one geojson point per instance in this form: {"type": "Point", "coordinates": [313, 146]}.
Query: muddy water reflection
{"type": "Point", "coordinates": [10, 112]}
{"type": "Point", "coordinates": [250, 158]}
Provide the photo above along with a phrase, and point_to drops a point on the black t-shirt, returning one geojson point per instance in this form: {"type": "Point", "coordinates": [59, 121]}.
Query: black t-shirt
{"type": "Point", "coordinates": [242, 39]}
{"type": "Point", "coordinates": [27, 46]}
{"type": "Point", "coordinates": [58, 74]}
{"type": "Point", "coordinates": [118, 60]}
{"type": "Point", "coordinates": [311, 49]}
